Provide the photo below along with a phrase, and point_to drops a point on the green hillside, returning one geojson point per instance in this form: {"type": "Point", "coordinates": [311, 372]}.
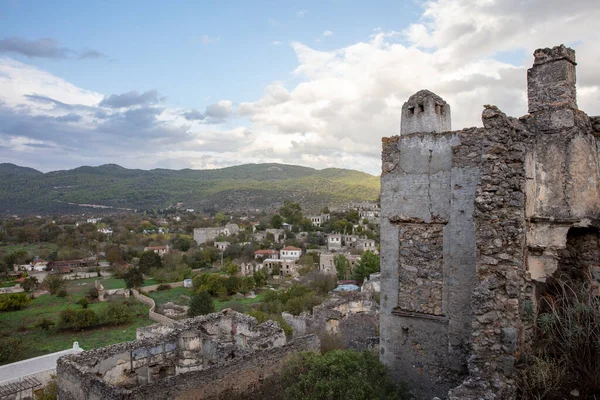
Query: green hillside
{"type": "Point", "coordinates": [250, 186]}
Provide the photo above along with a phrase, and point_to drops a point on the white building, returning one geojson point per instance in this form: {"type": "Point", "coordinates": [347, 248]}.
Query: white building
{"type": "Point", "coordinates": [222, 246]}
{"type": "Point", "coordinates": [290, 253]}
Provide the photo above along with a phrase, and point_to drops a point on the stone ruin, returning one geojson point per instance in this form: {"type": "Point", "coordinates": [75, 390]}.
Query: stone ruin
{"type": "Point", "coordinates": [474, 222]}
{"type": "Point", "coordinates": [205, 357]}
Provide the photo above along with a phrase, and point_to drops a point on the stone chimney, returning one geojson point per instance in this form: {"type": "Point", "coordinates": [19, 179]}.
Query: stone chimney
{"type": "Point", "coordinates": [425, 111]}
{"type": "Point", "coordinates": [551, 86]}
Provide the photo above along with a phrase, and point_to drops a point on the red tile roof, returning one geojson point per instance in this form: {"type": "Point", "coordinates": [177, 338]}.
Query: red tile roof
{"type": "Point", "coordinates": [291, 248]}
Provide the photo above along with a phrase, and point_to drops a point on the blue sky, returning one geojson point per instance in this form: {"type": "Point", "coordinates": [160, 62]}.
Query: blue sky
{"type": "Point", "coordinates": [199, 84]}
{"type": "Point", "coordinates": [194, 52]}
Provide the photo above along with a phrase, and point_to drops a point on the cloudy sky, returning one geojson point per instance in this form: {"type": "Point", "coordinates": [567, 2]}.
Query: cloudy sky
{"type": "Point", "coordinates": [189, 84]}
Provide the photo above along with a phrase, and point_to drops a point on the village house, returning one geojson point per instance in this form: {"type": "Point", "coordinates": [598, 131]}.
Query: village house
{"type": "Point", "coordinates": [334, 241]}
{"type": "Point", "coordinates": [106, 231]}
{"type": "Point", "coordinates": [160, 250]}
{"type": "Point", "coordinates": [273, 254]}
{"type": "Point", "coordinates": [222, 246]}
{"type": "Point", "coordinates": [327, 262]}
{"type": "Point", "coordinates": [318, 220]}
{"type": "Point", "coordinates": [290, 253]}
{"type": "Point", "coordinates": [365, 245]}
{"type": "Point", "coordinates": [203, 235]}
{"type": "Point", "coordinates": [279, 235]}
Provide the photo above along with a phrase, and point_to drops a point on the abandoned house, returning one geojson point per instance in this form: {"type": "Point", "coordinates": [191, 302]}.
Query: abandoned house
{"type": "Point", "coordinates": [474, 222]}
{"type": "Point", "coordinates": [220, 354]}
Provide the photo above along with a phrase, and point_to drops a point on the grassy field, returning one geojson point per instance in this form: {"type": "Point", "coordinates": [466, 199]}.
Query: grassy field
{"type": "Point", "coordinates": [181, 296]}
{"type": "Point", "coordinates": [21, 324]}
{"type": "Point", "coordinates": [82, 285]}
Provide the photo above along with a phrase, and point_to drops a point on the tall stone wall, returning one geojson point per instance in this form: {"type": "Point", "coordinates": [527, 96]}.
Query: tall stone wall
{"type": "Point", "coordinates": [473, 224]}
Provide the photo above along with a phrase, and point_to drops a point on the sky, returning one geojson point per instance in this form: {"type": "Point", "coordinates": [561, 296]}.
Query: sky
{"type": "Point", "coordinates": [209, 84]}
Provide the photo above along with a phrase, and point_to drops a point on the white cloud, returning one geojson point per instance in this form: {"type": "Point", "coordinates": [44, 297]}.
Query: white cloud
{"type": "Point", "coordinates": [327, 33]}
{"type": "Point", "coordinates": [276, 43]}
{"type": "Point", "coordinates": [301, 13]}
{"type": "Point", "coordinates": [206, 39]}
{"type": "Point", "coordinates": [470, 52]}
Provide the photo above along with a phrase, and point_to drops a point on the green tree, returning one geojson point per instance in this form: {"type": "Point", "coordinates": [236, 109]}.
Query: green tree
{"type": "Point", "coordinates": [368, 264]}
{"type": "Point", "coordinates": [291, 212]}
{"type": "Point", "coordinates": [276, 221]}
{"type": "Point", "coordinates": [342, 266]}
{"type": "Point", "coordinates": [353, 216]}
{"type": "Point", "coordinates": [260, 278]}
{"type": "Point", "coordinates": [325, 210]}
{"type": "Point", "coordinates": [182, 244]}
{"type": "Point", "coordinates": [201, 304]}
{"type": "Point", "coordinates": [30, 284]}
{"type": "Point", "coordinates": [220, 218]}
{"type": "Point", "coordinates": [55, 283]}
{"type": "Point", "coordinates": [149, 260]}
{"type": "Point", "coordinates": [133, 278]}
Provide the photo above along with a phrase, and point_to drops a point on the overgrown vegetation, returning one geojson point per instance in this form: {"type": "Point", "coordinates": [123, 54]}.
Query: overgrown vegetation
{"type": "Point", "coordinates": [568, 347]}
{"type": "Point", "coordinates": [338, 374]}
{"type": "Point", "coordinates": [13, 301]}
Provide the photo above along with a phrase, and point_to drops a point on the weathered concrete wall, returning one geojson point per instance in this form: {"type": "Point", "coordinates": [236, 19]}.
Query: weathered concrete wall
{"type": "Point", "coordinates": [428, 259]}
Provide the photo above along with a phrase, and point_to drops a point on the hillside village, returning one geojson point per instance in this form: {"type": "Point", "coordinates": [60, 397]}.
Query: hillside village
{"type": "Point", "coordinates": [172, 258]}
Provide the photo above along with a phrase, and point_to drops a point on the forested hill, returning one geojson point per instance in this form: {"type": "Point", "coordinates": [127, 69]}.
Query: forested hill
{"type": "Point", "coordinates": [243, 187]}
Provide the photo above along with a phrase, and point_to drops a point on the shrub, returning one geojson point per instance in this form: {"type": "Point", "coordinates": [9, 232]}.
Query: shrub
{"type": "Point", "coordinates": [163, 286]}
{"type": "Point", "coordinates": [83, 302]}
{"type": "Point", "coordinates": [62, 293]}
{"type": "Point", "coordinates": [92, 293]}
{"type": "Point", "coordinates": [134, 278]}
{"type": "Point", "coordinates": [569, 334]}
{"type": "Point", "coordinates": [76, 320]}
{"type": "Point", "coordinates": [54, 283]}
{"type": "Point", "coordinates": [201, 304]}
{"type": "Point", "coordinates": [116, 313]}
{"type": "Point", "coordinates": [45, 324]}
{"type": "Point", "coordinates": [338, 374]}
{"type": "Point", "coordinates": [11, 349]}
{"type": "Point", "coordinates": [13, 301]}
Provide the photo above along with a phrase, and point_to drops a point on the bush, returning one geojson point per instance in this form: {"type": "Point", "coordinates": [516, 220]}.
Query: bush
{"type": "Point", "coordinates": [83, 302]}
{"type": "Point", "coordinates": [45, 324]}
{"type": "Point", "coordinates": [92, 293]}
{"type": "Point", "coordinates": [76, 320]}
{"type": "Point", "coordinates": [54, 283]}
{"type": "Point", "coordinates": [163, 286]}
{"type": "Point", "coordinates": [201, 304]}
{"type": "Point", "coordinates": [62, 293]}
{"type": "Point", "coordinates": [338, 374]}
{"type": "Point", "coordinates": [116, 313]}
{"type": "Point", "coordinates": [10, 349]}
{"type": "Point", "coordinates": [13, 301]}
{"type": "Point", "coordinates": [569, 336]}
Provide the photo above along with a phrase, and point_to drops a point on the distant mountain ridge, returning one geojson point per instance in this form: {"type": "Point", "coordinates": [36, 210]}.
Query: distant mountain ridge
{"type": "Point", "coordinates": [242, 187]}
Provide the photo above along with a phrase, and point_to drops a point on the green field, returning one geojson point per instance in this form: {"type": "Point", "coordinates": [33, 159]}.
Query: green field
{"type": "Point", "coordinates": [21, 324]}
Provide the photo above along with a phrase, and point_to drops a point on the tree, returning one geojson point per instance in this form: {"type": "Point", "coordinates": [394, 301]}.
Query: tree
{"type": "Point", "coordinates": [260, 278]}
{"type": "Point", "coordinates": [353, 216]}
{"type": "Point", "coordinates": [201, 304]}
{"type": "Point", "coordinates": [30, 283]}
{"type": "Point", "coordinates": [325, 210]}
{"type": "Point", "coordinates": [134, 278]}
{"type": "Point", "coordinates": [342, 266]}
{"type": "Point", "coordinates": [368, 264]}
{"type": "Point", "coordinates": [55, 283]}
{"type": "Point", "coordinates": [291, 212]}
{"type": "Point", "coordinates": [182, 244]}
{"type": "Point", "coordinates": [149, 260]}
{"type": "Point", "coordinates": [114, 255]}
{"type": "Point", "coordinates": [276, 221]}
{"type": "Point", "coordinates": [220, 218]}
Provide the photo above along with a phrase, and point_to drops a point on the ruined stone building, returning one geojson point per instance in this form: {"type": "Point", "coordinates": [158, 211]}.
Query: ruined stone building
{"type": "Point", "coordinates": [213, 356]}
{"type": "Point", "coordinates": [474, 221]}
